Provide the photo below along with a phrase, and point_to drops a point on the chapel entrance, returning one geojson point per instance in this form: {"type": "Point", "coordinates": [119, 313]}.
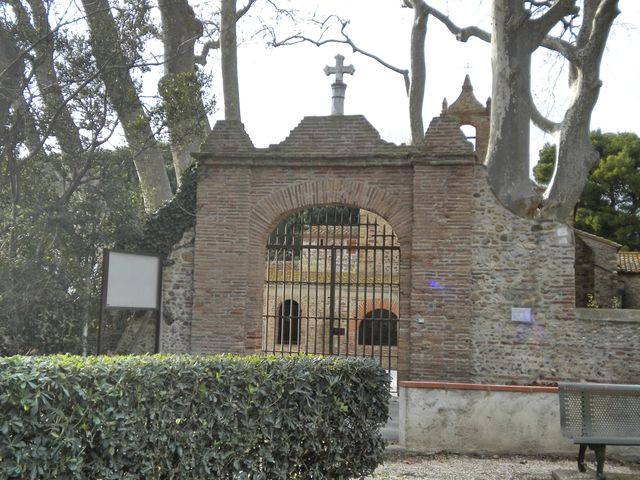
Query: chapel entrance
{"type": "Point", "coordinates": [332, 285]}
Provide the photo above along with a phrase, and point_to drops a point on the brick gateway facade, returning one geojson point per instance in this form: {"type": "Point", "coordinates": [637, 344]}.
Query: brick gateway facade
{"type": "Point", "coordinates": [484, 295]}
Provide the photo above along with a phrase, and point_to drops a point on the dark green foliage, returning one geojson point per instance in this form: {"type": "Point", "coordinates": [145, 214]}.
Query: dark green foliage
{"type": "Point", "coordinates": [610, 202]}
{"type": "Point", "coordinates": [182, 104]}
{"type": "Point", "coordinates": [165, 227]}
{"type": "Point", "coordinates": [168, 417]}
{"type": "Point", "coordinates": [51, 248]}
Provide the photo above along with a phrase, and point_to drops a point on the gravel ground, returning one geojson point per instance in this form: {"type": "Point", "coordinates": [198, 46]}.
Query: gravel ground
{"type": "Point", "coordinates": [402, 466]}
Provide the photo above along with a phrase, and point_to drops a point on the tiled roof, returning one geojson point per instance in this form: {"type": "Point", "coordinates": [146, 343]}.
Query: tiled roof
{"type": "Point", "coordinates": [629, 262]}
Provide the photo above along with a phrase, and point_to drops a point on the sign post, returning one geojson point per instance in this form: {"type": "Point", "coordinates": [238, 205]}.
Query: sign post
{"type": "Point", "coordinates": [131, 281]}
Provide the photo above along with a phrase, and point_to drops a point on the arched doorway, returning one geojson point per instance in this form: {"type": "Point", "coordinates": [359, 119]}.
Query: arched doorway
{"type": "Point", "coordinates": [322, 264]}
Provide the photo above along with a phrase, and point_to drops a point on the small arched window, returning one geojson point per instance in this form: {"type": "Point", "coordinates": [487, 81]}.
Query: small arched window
{"type": "Point", "coordinates": [379, 327]}
{"type": "Point", "coordinates": [470, 132]}
{"type": "Point", "coordinates": [288, 323]}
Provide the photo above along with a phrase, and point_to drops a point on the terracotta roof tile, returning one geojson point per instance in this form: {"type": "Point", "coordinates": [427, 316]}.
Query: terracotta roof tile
{"type": "Point", "coordinates": [629, 262]}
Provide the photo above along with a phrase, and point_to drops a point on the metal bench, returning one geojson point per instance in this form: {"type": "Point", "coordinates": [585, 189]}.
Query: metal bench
{"type": "Point", "coordinates": [597, 415]}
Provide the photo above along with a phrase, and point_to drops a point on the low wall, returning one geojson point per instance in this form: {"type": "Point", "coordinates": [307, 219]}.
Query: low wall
{"type": "Point", "coordinates": [622, 315]}
{"type": "Point", "coordinates": [491, 419]}
{"type": "Point", "coordinates": [472, 418]}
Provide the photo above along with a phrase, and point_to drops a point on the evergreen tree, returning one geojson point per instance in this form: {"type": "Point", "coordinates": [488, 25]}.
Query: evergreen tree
{"type": "Point", "coordinates": [610, 202]}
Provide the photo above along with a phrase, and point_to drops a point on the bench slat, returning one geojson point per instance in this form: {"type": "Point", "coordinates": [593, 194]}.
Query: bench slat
{"type": "Point", "coordinates": [608, 388]}
{"type": "Point", "coordinates": [608, 440]}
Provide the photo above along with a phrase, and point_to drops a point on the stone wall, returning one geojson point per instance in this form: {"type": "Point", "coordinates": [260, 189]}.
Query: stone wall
{"type": "Point", "coordinates": [177, 298]}
{"type": "Point", "coordinates": [631, 283]}
{"type": "Point", "coordinates": [584, 271]}
{"type": "Point", "coordinates": [608, 347]}
{"type": "Point", "coordinates": [519, 263]}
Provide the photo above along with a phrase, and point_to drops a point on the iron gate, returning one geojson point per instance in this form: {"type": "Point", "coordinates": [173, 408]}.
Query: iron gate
{"type": "Point", "coordinates": [332, 285]}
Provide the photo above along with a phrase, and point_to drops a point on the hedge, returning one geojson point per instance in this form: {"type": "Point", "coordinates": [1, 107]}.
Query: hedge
{"type": "Point", "coordinates": [190, 417]}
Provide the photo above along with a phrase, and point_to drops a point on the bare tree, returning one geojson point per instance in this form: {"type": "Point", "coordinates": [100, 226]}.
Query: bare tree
{"type": "Point", "coordinates": [418, 68]}
{"type": "Point", "coordinates": [229, 17]}
{"type": "Point", "coordinates": [519, 29]}
{"type": "Point", "coordinates": [122, 92]}
{"type": "Point", "coordinates": [180, 87]}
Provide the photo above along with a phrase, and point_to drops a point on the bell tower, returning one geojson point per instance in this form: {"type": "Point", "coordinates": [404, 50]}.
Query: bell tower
{"type": "Point", "coordinates": [467, 110]}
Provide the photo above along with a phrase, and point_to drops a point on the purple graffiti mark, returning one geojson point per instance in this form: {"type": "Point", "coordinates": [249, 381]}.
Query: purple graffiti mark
{"type": "Point", "coordinates": [531, 332]}
{"type": "Point", "coordinates": [434, 285]}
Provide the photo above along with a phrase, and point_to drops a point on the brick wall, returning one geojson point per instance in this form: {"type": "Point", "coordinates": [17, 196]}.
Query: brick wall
{"type": "Point", "coordinates": [466, 261]}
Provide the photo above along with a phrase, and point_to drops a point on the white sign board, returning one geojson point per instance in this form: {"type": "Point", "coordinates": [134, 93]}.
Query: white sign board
{"type": "Point", "coordinates": [132, 280]}
{"type": "Point", "coordinates": [522, 315]}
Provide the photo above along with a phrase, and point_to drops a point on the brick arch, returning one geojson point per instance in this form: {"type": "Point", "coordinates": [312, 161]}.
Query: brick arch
{"type": "Point", "coordinates": [369, 305]}
{"type": "Point", "coordinates": [363, 307]}
{"type": "Point", "coordinates": [271, 209]}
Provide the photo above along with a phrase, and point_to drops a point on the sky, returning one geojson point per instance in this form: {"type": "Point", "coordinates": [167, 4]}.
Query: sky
{"type": "Point", "coordinates": [278, 87]}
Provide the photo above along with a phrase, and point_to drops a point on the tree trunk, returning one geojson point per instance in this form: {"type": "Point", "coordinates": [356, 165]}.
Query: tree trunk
{"type": "Point", "coordinates": [229, 60]}
{"type": "Point", "coordinates": [508, 149]}
{"type": "Point", "coordinates": [180, 88]}
{"type": "Point", "coordinates": [418, 70]}
{"type": "Point", "coordinates": [122, 93]}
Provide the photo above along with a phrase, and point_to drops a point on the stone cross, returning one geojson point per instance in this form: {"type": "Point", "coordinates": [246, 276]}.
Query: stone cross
{"type": "Point", "coordinates": [338, 87]}
{"type": "Point", "coordinates": [339, 69]}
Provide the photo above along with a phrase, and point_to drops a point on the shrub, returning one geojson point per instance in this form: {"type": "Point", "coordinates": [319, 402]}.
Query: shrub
{"type": "Point", "coordinates": [183, 417]}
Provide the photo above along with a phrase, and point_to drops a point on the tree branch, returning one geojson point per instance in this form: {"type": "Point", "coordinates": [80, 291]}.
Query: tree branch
{"type": "Point", "coordinates": [242, 12]}
{"type": "Point", "coordinates": [540, 121]}
{"type": "Point", "coordinates": [564, 48]}
{"type": "Point", "coordinates": [462, 34]}
{"type": "Point", "coordinates": [210, 45]}
{"type": "Point", "coordinates": [296, 39]}
{"type": "Point", "coordinates": [541, 26]}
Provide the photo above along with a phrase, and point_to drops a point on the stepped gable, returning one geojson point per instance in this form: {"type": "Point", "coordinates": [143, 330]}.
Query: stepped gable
{"type": "Point", "coordinates": [227, 137]}
{"type": "Point", "coordinates": [348, 135]}
{"type": "Point", "coordinates": [444, 137]}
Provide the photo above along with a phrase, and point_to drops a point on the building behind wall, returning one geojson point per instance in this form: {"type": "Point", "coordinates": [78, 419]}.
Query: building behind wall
{"type": "Point", "coordinates": [597, 282]}
{"type": "Point", "coordinates": [629, 275]}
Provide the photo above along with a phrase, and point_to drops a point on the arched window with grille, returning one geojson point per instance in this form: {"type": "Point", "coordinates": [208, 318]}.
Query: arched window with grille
{"type": "Point", "coordinates": [288, 323]}
{"type": "Point", "coordinates": [378, 327]}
